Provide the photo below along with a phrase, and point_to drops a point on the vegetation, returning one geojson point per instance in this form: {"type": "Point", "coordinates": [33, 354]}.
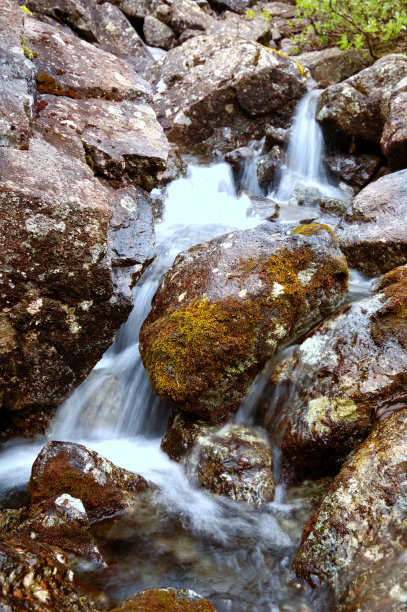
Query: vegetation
{"type": "Point", "coordinates": [351, 23]}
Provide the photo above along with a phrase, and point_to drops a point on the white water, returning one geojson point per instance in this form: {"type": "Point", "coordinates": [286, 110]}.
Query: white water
{"type": "Point", "coordinates": [305, 153]}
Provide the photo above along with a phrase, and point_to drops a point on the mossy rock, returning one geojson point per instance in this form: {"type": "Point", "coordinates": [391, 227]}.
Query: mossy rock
{"type": "Point", "coordinates": [165, 599]}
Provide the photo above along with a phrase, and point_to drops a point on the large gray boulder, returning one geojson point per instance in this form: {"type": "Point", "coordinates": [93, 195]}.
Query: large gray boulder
{"type": "Point", "coordinates": [373, 233]}
{"type": "Point", "coordinates": [221, 83]}
{"type": "Point", "coordinates": [227, 305]}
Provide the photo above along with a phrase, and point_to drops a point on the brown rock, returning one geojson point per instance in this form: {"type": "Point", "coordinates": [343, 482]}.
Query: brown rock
{"type": "Point", "coordinates": [35, 577]}
{"type": "Point", "coordinates": [362, 513]}
{"type": "Point", "coordinates": [234, 462]}
{"type": "Point", "coordinates": [352, 368]}
{"type": "Point", "coordinates": [222, 82]}
{"type": "Point", "coordinates": [359, 107]}
{"type": "Point", "coordinates": [164, 599]}
{"type": "Point", "coordinates": [186, 15]}
{"type": "Point", "coordinates": [355, 170]}
{"type": "Point", "coordinates": [67, 468]}
{"type": "Point", "coordinates": [394, 137]}
{"type": "Point", "coordinates": [332, 66]}
{"type": "Point", "coordinates": [68, 66]}
{"type": "Point", "coordinates": [182, 431]}
{"type": "Point", "coordinates": [371, 233]}
{"type": "Point", "coordinates": [226, 306]}
{"type": "Point", "coordinates": [136, 8]}
{"type": "Point", "coordinates": [80, 15]}
{"type": "Point", "coordinates": [157, 33]}
{"type": "Point", "coordinates": [61, 521]}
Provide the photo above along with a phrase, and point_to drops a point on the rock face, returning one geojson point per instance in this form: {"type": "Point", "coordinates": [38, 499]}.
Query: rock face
{"type": "Point", "coordinates": [226, 306]}
{"type": "Point", "coordinates": [331, 66]}
{"type": "Point", "coordinates": [60, 521]}
{"type": "Point", "coordinates": [35, 577]}
{"type": "Point", "coordinates": [394, 137]}
{"type": "Point", "coordinates": [361, 515]}
{"type": "Point", "coordinates": [348, 371]}
{"type": "Point", "coordinates": [359, 107]}
{"type": "Point", "coordinates": [235, 462]}
{"type": "Point", "coordinates": [160, 600]}
{"type": "Point", "coordinates": [71, 246]}
{"type": "Point", "coordinates": [370, 233]}
{"type": "Point", "coordinates": [222, 82]}
{"type": "Point", "coordinates": [355, 170]}
{"type": "Point", "coordinates": [67, 468]}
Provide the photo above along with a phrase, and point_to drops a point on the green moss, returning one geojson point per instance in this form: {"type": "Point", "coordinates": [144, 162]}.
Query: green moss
{"type": "Point", "coordinates": [312, 228]}
{"type": "Point", "coordinates": [90, 162]}
{"type": "Point", "coordinates": [28, 52]}
{"type": "Point", "coordinates": [190, 346]}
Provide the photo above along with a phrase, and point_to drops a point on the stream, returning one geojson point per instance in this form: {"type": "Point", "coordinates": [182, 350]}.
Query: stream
{"type": "Point", "coordinates": [237, 556]}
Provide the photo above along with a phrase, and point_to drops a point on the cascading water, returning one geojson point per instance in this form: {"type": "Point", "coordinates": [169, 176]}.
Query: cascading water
{"type": "Point", "coordinates": [305, 153]}
{"type": "Point", "coordinates": [235, 555]}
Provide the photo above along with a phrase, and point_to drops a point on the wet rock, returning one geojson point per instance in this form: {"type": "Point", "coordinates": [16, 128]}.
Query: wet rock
{"type": "Point", "coordinates": [352, 368]}
{"type": "Point", "coordinates": [355, 170]}
{"type": "Point", "coordinates": [67, 468]}
{"type": "Point", "coordinates": [17, 82]}
{"type": "Point", "coordinates": [332, 66]}
{"type": "Point", "coordinates": [234, 462]}
{"type": "Point", "coordinates": [118, 138]}
{"type": "Point", "coordinates": [238, 159]}
{"type": "Point", "coordinates": [394, 137]}
{"type": "Point", "coordinates": [168, 598]}
{"type": "Point", "coordinates": [35, 576]}
{"type": "Point", "coordinates": [275, 137]}
{"type": "Point", "coordinates": [225, 307]}
{"type": "Point", "coordinates": [268, 165]}
{"type": "Point", "coordinates": [263, 208]}
{"type": "Point", "coordinates": [370, 233]}
{"type": "Point", "coordinates": [61, 521]}
{"type": "Point", "coordinates": [359, 107]}
{"type": "Point", "coordinates": [157, 33]}
{"type": "Point", "coordinates": [68, 66]}
{"type": "Point", "coordinates": [364, 508]}
{"type": "Point", "coordinates": [182, 431]}
{"type": "Point", "coordinates": [216, 82]}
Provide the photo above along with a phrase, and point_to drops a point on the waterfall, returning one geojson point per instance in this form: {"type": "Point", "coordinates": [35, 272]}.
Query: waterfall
{"type": "Point", "coordinates": [305, 154]}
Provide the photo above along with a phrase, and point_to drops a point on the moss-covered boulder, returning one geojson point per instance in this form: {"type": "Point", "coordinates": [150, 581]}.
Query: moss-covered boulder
{"type": "Point", "coordinates": [36, 577]}
{"type": "Point", "coordinates": [234, 462]}
{"type": "Point", "coordinates": [104, 488]}
{"type": "Point", "coordinates": [227, 305]}
{"type": "Point", "coordinates": [164, 599]}
{"type": "Point", "coordinates": [362, 520]}
{"type": "Point", "coordinates": [346, 373]}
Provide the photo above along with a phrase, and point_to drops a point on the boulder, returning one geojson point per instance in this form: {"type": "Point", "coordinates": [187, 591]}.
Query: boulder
{"type": "Point", "coordinates": [358, 107]}
{"type": "Point", "coordinates": [186, 15]}
{"type": "Point", "coordinates": [61, 521]}
{"type": "Point", "coordinates": [371, 232]}
{"type": "Point", "coordinates": [68, 66]}
{"type": "Point", "coordinates": [394, 137]}
{"type": "Point", "coordinates": [80, 15]}
{"type": "Point", "coordinates": [136, 8]}
{"type": "Point", "coordinates": [182, 431]}
{"type": "Point", "coordinates": [234, 462]}
{"type": "Point", "coordinates": [36, 577]}
{"type": "Point", "coordinates": [331, 66]}
{"type": "Point", "coordinates": [157, 33]}
{"type": "Point", "coordinates": [226, 83]}
{"type": "Point", "coordinates": [355, 170]}
{"type": "Point", "coordinates": [166, 598]}
{"type": "Point", "coordinates": [117, 139]}
{"type": "Point", "coordinates": [348, 371]}
{"type": "Point", "coordinates": [255, 28]}
{"type": "Point", "coordinates": [237, 6]}
{"type": "Point", "coordinates": [268, 166]}
{"type": "Point", "coordinates": [227, 305]}
{"type": "Point", "coordinates": [361, 514]}
{"type": "Point", "coordinates": [68, 468]}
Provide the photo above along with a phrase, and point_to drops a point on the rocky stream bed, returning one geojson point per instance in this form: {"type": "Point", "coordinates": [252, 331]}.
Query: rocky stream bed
{"type": "Point", "coordinates": [203, 327]}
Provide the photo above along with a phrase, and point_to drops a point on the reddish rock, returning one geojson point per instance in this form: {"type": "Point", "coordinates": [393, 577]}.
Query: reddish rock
{"type": "Point", "coordinates": [352, 368]}
{"type": "Point", "coordinates": [164, 599]}
{"type": "Point", "coordinates": [362, 518]}
{"type": "Point", "coordinates": [356, 170]}
{"type": "Point", "coordinates": [227, 305]}
{"type": "Point", "coordinates": [35, 577]}
{"type": "Point", "coordinates": [371, 233]}
{"type": "Point", "coordinates": [61, 521]}
{"type": "Point", "coordinates": [67, 468]}
{"type": "Point", "coordinates": [234, 462]}
{"type": "Point", "coordinates": [182, 431]}
{"type": "Point", "coordinates": [359, 107]}
{"type": "Point", "coordinates": [225, 83]}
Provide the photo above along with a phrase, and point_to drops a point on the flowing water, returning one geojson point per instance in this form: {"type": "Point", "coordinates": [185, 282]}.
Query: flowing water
{"type": "Point", "coordinates": [237, 556]}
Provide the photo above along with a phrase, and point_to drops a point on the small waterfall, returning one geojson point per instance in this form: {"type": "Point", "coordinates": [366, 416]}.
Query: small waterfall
{"type": "Point", "coordinates": [305, 153]}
